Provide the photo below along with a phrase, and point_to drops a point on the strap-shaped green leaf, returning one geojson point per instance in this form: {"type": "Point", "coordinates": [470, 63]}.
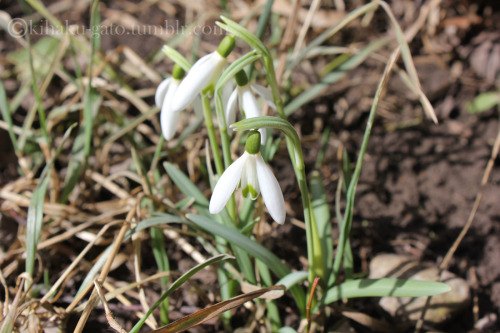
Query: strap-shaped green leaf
{"type": "Point", "coordinates": [383, 287]}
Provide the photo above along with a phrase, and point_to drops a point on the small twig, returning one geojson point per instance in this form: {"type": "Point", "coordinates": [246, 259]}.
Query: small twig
{"type": "Point", "coordinates": [308, 308]}
{"type": "Point", "coordinates": [104, 273]}
{"type": "Point", "coordinates": [109, 316]}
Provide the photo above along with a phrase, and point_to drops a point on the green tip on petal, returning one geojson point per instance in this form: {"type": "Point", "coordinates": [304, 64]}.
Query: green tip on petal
{"type": "Point", "coordinates": [249, 189]}
{"type": "Point", "coordinates": [253, 142]}
{"type": "Point", "coordinates": [241, 78]}
{"type": "Point", "coordinates": [226, 46]}
{"type": "Point", "coordinates": [178, 73]}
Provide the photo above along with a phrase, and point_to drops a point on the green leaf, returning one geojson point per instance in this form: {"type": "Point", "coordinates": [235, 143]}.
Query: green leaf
{"type": "Point", "coordinates": [383, 287]}
{"type": "Point", "coordinates": [235, 67]}
{"type": "Point", "coordinates": [184, 184]}
{"type": "Point", "coordinates": [321, 213]}
{"type": "Point", "coordinates": [292, 279]}
{"type": "Point", "coordinates": [35, 209]}
{"type": "Point", "coordinates": [244, 34]}
{"type": "Point", "coordinates": [176, 57]}
{"type": "Point", "coordinates": [316, 90]}
{"type": "Point", "coordinates": [253, 248]}
{"type": "Point", "coordinates": [483, 102]}
{"type": "Point", "coordinates": [4, 109]}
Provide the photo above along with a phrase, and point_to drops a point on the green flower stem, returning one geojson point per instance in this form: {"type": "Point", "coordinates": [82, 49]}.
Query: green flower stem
{"type": "Point", "coordinates": [294, 148]}
{"type": "Point", "coordinates": [212, 137]}
{"type": "Point", "coordinates": [314, 252]}
{"type": "Point", "coordinates": [226, 148]}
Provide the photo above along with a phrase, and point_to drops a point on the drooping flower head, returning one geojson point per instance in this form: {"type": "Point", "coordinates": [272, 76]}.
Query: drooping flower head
{"type": "Point", "coordinates": [164, 97]}
{"type": "Point", "coordinates": [203, 75]}
{"type": "Point", "coordinates": [244, 97]}
{"type": "Point", "coordinates": [253, 176]}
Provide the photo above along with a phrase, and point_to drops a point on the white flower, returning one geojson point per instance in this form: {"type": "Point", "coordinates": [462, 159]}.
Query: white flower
{"type": "Point", "coordinates": [253, 176]}
{"type": "Point", "coordinates": [247, 101]}
{"type": "Point", "coordinates": [165, 94]}
{"type": "Point", "coordinates": [244, 96]}
{"type": "Point", "coordinates": [204, 73]}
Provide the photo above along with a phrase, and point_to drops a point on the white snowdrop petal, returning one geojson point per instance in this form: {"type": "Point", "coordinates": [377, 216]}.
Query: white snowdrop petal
{"type": "Point", "coordinates": [249, 177]}
{"type": "Point", "coordinates": [265, 93]}
{"type": "Point", "coordinates": [169, 122]}
{"type": "Point", "coordinates": [226, 185]}
{"type": "Point", "coordinates": [198, 77]}
{"type": "Point", "coordinates": [271, 191]}
{"type": "Point", "coordinates": [168, 118]}
{"type": "Point", "coordinates": [249, 103]}
{"type": "Point", "coordinates": [231, 110]}
{"type": "Point", "coordinates": [227, 90]}
{"type": "Point", "coordinates": [161, 91]}
{"type": "Point", "coordinates": [250, 106]}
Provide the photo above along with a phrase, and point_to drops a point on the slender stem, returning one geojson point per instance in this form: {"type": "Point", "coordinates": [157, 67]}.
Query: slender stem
{"type": "Point", "coordinates": [212, 137]}
{"type": "Point", "coordinates": [314, 253]}
{"type": "Point", "coordinates": [226, 149]}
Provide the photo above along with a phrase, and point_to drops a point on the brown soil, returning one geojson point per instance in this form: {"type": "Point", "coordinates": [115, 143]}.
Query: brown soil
{"type": "Point", "coordinates": [419, 179]}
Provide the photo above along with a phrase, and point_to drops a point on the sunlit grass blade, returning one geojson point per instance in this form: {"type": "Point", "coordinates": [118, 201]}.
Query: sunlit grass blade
{"type": "Point", "coordinates": [176, 57]}
{"type": "Point", "coordinates": [34, 219]}
{"type": "Point", "coordinates": [333, 30]}
{"type": "Point", "coordinates": [161, 258]}
{"type": "Point", "coordinates": [176, 284]}
{"type": "Point", "coordinates": [4, 109]}
{"type": "Point", "coordinates": [78, 155]}
{"type": "Point", "coordinates": [244, 34]}
{"type": "Point", "coordinates": [409, 65]}
{"type": "Point", "coordinates": [185, 184]}
{"type": "Point", "coordinates": [254, 249]}
{"type": "Point", "coordinates": [351, 192]}
{"type": "Point", "coordinates": [316, 90]}
{"type": "Point", "coordinates": [213, 311]}
{"type": "Point", "coordinates": [383, 287]}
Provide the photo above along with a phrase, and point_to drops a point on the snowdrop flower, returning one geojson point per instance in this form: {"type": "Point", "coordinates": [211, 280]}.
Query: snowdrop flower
{"type": "Point", "coordinates": [244, 96]}
{"type": "Point", "coordinates": [164, 97]}
{"type": "Point", "coordinates": [203, 75]}
{"type": "Point", "coordinates": [253, 176]}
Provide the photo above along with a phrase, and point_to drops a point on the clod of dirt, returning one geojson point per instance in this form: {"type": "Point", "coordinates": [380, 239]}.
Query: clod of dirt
{"type": "Point", "coordinates": [442, 307]}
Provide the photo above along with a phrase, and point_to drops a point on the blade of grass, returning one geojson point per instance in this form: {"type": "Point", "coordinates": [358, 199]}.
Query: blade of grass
{"type": "Point", "coordinates": [335, 76]}
{"type": "Point", "coordinates": [4, 109]}
{"type": "Point", "coordinates": [78, 155]}
{"type": "Point", "coordinates": [254, 249]}
{"type": "Point", "coordinates": [351, 192]}
{"type": "Point", "coordinates": [35, 211]}
{"type": "Point", "coordinates": [177, 283]}
{"type": "Point", "coordinates": [213, 311]}
{"type": "Point", "coordinates": [331, 31]}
